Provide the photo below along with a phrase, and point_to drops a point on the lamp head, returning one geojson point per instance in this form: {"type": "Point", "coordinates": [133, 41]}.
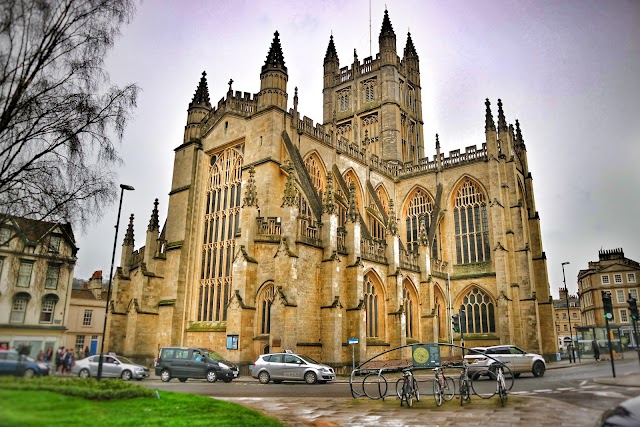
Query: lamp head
{"type": "Point", "coordinates": [126, 187]}
{"type": "Point", "coordinates": [565, 263]}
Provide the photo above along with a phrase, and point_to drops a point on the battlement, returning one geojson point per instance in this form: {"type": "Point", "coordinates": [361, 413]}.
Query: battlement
{"type": "Point", "coordinates": [242, 103]}
{"type": "Point", "coordinates": [357, 69]}
{"type": "Point", "coordinates": [609, 254]}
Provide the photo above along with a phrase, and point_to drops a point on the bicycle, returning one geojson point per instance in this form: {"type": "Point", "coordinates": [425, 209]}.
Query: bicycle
{"type": "Point", "coordinates": [465, 384]}
{"type": "Point", "coordinates": [486, 390]}
{"type": "Point", "coordinates": [443, 386]}
{"type": "Point", "coordinates": [501, 387]}
{"type": "Point", "coordinates": [407, 387]}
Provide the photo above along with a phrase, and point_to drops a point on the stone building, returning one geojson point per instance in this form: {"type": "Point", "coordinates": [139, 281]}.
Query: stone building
{"type": "Point", "coordinates": [285, 234]}
{"type": "Point", "coordinates": [86, 317]}
{"type": "Point", "coordinates": [37, 260]}
{"type": "Point", "coordinates": [568, 318]}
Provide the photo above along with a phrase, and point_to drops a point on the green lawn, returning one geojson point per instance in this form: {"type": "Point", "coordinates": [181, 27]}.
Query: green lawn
{"type": "Point", "coordinates": [48, 408]}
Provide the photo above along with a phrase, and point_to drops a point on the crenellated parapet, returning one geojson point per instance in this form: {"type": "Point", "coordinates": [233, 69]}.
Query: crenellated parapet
{"type": "Point", "coordinates": [243, 104]}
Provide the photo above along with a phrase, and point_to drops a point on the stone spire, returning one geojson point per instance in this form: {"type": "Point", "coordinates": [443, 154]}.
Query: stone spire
{"type": "Point", "coordinates": [251, 195]}
{"type": "Point", "coordinates": [387, 41]}
{"type": "Point", "coordinates": [275, 58]}
{"type": "Point", "coordinates": [352, 213]}
{"type": "Point", "coordinates": [154, 224]}
{"type": "Point", "coordinates": [488, 118]}
{"type": "Point", "coordinates": [502, 122]}
{"type": "Point", "coordinates": [332, 54]}
{"type": "Point", "coordinates": [329, 205]}
{"type": "Point", "coordinates": [392, 222]}
{"type": "Point", "coordinates": [201, 97]}
{"type": "Point", "coordinates": [519, 138]}
{"type": "Point", "coordinates": [410, 50]}
{"type": "Point", "coordinates": [289, 198]}
{"type": "Point", "coordinates": [128, 237]}
{"type": "Point", "coordinates": [387, 28]}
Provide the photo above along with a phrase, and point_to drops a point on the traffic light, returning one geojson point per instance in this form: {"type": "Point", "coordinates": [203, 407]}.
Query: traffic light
{"type": "Point", "coordinates": [607, 304]}
{"type": "Point", "coordinates": [455, 319]}
{"type": "Point", "coordinates": [633, 307]}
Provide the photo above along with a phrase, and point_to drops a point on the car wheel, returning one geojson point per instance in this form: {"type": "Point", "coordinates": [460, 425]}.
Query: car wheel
{"type": "Point", "coordinates": [310, 377]}
{"type": "Point", "coordinates": [165, 376]}
{"type": "Point", "coordinates": [126, 375]}
{"type": "Point", "coordinates": [212, 377]}
{"type": "Point", "coordinates": [263, 377]}
{"type": "Point", "coordinates": [84, 373]}
{"type": "Point", "coordinates": [29, 373]}
{"type": "Point", "coordinates": [538, 369]}
{"type": "Point", "coordinates": [182, 380]}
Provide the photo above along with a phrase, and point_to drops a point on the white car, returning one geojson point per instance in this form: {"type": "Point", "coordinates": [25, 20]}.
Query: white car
{"type": "Point", "coordinates": [518, 361]}
{"type": "Point", "coordinates": [287, 366]}
{"type": "Point", "coordinates": [112, 367]}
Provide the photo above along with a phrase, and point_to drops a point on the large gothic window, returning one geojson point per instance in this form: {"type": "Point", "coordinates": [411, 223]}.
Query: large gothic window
{"type": "Point", "coordinates": [313, 166]}
{"type": "Point", "coordinates": [471, 225]}
{"type": "Point", "coordinates": [410, 309]}
{"type": "Point", "coordinates": [419, 211]}
{"type": "Point", "coordinates": [222, 215]}
{"type": "Point", "coordinates": [264, 308]}
{"type": "Point", "coordinates": [371, 300]}
{"type": "Point", "coordinates": [479, 313]}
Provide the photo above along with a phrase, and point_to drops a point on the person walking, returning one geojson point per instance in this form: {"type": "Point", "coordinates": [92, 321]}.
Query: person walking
{"type": "Point", "coordinates": [59, 363]}
{"type": "Point", "coordinates": [596, 349]}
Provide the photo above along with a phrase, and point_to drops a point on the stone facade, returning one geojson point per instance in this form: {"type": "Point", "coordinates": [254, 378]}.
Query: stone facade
{"type": "Point", "coordinates": [37, 260]}
{"type": "Point", "coordinates": [86, 317]}
{"type": "Point", "coordinates": [282, 234]}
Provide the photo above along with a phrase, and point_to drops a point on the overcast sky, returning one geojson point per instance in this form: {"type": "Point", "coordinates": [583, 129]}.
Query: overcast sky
{"type": "Point", "coordinates": [568, 70]}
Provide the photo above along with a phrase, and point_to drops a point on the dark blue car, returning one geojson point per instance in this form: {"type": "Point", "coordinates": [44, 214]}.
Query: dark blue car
{"type": "Point", "coordinates": [13, 363]}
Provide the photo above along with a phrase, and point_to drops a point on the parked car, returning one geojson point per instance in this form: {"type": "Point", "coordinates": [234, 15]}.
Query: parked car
{"type": "Point", "coordinates": [518, 361]}
{"type": "Point", "coordinates": [200, 363]}
{"type": "Point", "coordinates": [287, 366]}
{"type": "Point", "coordinates": [13, 363]}
{"type": "Point", "coordinates": [626, 414]}
{"type": "Point", "coordinates": [113, 366]}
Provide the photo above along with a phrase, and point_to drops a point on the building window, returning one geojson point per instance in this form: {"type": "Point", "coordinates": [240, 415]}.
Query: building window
{"type": "Point", "coordinates": [52, 277]}
{"type": "Point", "coordinates": [409, 305]}
{"type": "Point", "coordinates": [316, 172]}
{"type": "Point", "coordinates": [566, 328]}
{"type": "Point", "coordinates": [79, 342]}
{"type": "Point", "coordinates": [617, 278]}
{"type": "Point", "coordinates": [343, 100]}
{"type": "Point", "coordinates": [631, 277]}
{"type": "Point", "coordinates": [54, 244]}
{"type": "Point", "coordinates": [46, 314]}
{"type": "Point", "coordinates": [623, 315]}
{"type": "Point", "coordinates": [557, 316]}
{"type": "Point", "coordinates": [19, 307]}
{"type": "Point", "coordinates": [575, 315]}
{"type": "Point", "coordinates": [369, 90]}
{"type": "Point", "coordinates": [471, 225]}
{"type": "Point", "coordinates": [564, 316]}
{"type": "Point", "coordinates": [265, 303]}
{"type": "Point", "coordinates": [222, 216]}
{"type": "Point", "coordinates": [5, 235]}
{"type": "Point", "coordinates": [478, 316]}
{"type": "Point", "coordinates": [419, 214]}
{"type": "Point", "coordinates": [620, 294]}
{"type": "Point", "coordinates": [605, 279]}
{"type": "Point", "coordinates": [558, 328]}
{"type": "Point", "coordinates": [633, 293]}
{"type": "Point", "coordinates": [87, 318]}
{"type": "Point", "coordinates": [371, 307]}
{"type": "Point", "coordinates": [24, 274]}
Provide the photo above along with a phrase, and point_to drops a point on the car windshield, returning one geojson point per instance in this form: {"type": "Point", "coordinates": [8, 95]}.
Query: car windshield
{"type": "Point", "coordinates": [307, 359]}
{"type": "Point", "coordinates": [125, 360]}
{"type": "Point", "coordinates": [216, 357]}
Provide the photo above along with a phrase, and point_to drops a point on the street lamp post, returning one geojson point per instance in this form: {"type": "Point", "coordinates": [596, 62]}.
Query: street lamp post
{"type": "Point", "coordinates": [113, 257]}
{"type": "Point", "coordinates": [566, 297]}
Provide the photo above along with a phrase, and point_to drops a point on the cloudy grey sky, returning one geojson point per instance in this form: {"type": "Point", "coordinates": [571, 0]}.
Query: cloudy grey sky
{"type": "Point", "coordinates": [568, 70]}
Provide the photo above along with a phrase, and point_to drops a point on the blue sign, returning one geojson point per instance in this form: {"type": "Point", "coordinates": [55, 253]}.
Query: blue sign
{"type": "Point", "coordinates": [353, 340]}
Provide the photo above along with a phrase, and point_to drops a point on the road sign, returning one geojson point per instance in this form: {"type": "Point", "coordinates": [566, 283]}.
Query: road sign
{"type": "Point", "coordinates": [353, 340]}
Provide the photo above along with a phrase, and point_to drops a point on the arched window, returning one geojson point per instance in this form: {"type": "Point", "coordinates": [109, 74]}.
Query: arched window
{"type": "Point", "coordinates": [264, 309]}
{"type": "Point", "coordinates": [371, 307]}
{"type": "Point", "coordinates": [410, 309]}
{"type": "Point", "coordinates": [376, 228]}
{"type": "Point", "coordinates": [479, 313]}
{"type": "Point", "coordinates": [420, 210]}
{"type": "Point", "coordinates": [222, 216]}
{"type": "Point", "coordinates": [19, 307]}
{"type": "Point", "coordinates": [48, 306]}
{"type": "Point", "coordinates": [471, 225]}
{"type": "Point", "coordinates": [312, 164]}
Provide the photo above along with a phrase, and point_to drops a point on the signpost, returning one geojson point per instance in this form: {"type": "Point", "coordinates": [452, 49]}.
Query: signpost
{"type": "Point", "coordinates": [352, 342]}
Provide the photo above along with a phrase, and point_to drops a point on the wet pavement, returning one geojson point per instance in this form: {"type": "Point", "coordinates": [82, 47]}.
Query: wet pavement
{"type": "Point", "coordinates": [518, 411]}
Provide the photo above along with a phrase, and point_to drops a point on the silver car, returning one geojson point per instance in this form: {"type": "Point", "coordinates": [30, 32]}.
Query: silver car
{"type": "Point", "coordinates": [279, 367]}
{"type": "Point", "coordinates": [518, 361]}
{"type": "Point", "coordinates": [112, 367]}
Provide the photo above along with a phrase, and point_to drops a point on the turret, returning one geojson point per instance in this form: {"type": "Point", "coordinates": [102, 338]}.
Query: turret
{"type": "Point", "coordinates": [506, 146]}
{"type": "Point", "coordinates": [387, 41]}
{"type": "Point", "coordinates": [127, 249]}
{"type": "Point", "coordinates": [490, 131]}
{"type": "Point", "coordinates": [199, 107]}
{"type": "Point", "coordinates": [411, 61]}
{"type": "Point", "coordinates": [153, 233]}
{"type": "Point", "coordinates": [331, 64]}
{"type": "Point", "coordinates": [273, 78]}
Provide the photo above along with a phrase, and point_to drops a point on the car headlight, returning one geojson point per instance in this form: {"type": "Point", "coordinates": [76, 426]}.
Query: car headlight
{"type": "Point", "coordinates": [43, 366]}
{"type": "Point", "coordinates": [324, 370]}
{"type": "Point", "coordinates": [223, 366]}
{"type": "Point", "coordinates": [140, 370]}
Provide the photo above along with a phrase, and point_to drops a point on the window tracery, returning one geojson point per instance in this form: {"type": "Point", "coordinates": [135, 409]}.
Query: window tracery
{"type": "Point", "coordinates": [471, 224]}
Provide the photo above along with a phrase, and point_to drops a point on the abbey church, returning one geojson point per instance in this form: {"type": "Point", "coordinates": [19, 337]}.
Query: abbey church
{"type": "Point", "coordinates": [285, 234]}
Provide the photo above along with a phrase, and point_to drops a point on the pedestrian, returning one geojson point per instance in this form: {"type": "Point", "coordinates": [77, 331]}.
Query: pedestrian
{"type": "Point", "coordinates": [596, 349]}
{"type": "Point", "coordinates": [87, 353]}
{"type": "Point", "coordinates": [67, 361]}
{"type": "Point", "coordinates": [48, 355]}
{"type": "Point", "coordinates": [41, 356]}
{"type": "Point", "coordinates": [59, 364]}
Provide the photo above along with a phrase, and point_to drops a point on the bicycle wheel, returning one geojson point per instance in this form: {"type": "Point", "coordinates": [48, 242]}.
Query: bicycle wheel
{"type": "Point", "coordinates": [407, 394]}
{"type": "Point", "coordinates": [464, 390]}
{"type": "Point", "coordinates": [509, 377]}
{"type": "Point", "coordinates": [375, 386]}
{"type": "Point", "coordinates": [503, 394]}
{"type": "Point", "coordinates": [437, 394]}
{"type": "Point", "coordinates": [399, 384]}
{"type": "Point", "coordinates": [416, 391]}
{"type": "Point", "coordinates": [449, 388]}
{"type": "Point", "coordinates": [467, 387]}
{"type": "Point", "coordinates": [484, 388]}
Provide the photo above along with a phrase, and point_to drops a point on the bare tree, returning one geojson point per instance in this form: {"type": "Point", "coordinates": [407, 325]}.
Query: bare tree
{"type": "Point", "coordinates": [60, 118]}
